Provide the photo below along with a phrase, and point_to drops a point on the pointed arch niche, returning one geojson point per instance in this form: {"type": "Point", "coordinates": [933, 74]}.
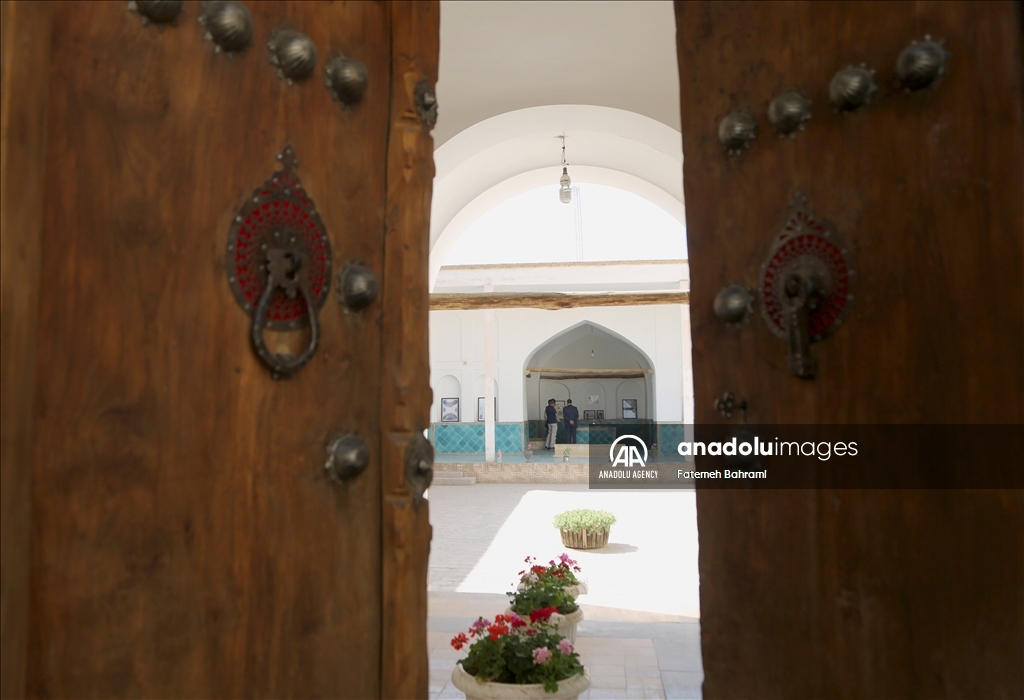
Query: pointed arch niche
{"type": "Point", "coordinates": [588, 346]}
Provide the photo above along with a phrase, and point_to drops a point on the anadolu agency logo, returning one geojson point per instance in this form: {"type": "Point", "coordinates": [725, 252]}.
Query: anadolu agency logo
{"type": "Point", "coordinates": [628, 455]}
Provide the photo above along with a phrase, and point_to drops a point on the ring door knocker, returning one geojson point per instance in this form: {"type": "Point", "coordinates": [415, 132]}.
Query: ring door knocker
{"type": "Point", "coordinates": [278, 261]}
{"type": "Point", "coordinates": [806, 285]}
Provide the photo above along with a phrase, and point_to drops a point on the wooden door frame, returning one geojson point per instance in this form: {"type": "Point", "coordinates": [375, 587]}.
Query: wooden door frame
{"type": "Point", "coordinates": [405, 365]}
{"type": "Point", "coordinates": [25, 31]}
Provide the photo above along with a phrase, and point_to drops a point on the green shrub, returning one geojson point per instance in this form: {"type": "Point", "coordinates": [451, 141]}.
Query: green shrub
{"type": "Point", "coordinates": [593, 521]}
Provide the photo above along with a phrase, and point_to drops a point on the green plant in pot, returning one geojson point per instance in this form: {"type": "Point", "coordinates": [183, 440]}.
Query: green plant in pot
{"type": "Point", "coordinates": [550, 593]}
{"type": "Point", "coordinates": [561, 573]}
{"type": "Point", "coordinates": [518, 657]}
{"type": "Point", "coordinates": [584, 528]}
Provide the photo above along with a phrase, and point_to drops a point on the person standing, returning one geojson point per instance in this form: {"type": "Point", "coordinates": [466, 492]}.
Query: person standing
{"type": "Point", "coordinates": [572, 420]}
{"type": "Point", "coordinates": [552, 418]}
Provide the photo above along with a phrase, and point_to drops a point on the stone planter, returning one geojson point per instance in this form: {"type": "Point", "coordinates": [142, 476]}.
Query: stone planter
{"type": "Point", "coordinates": [580, 539]}
{"type": "Point", "coordinates": [489, 690]}
{"type": "Point", "coordinates": [566, 623]}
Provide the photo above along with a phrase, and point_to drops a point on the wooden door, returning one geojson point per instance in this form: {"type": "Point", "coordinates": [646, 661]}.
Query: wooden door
{"type": "Point", "coordinates": [186, 539]}
{"type": "Point", "coordinates": [862, 593]}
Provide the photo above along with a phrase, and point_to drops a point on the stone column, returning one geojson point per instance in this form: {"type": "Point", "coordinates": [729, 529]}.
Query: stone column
{"type": "Point", "coordinates": [489, 343]}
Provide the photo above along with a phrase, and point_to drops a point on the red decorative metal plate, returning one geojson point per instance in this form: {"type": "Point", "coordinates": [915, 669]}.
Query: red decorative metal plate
{"type": "Point", "coordinates": [279, 214]}
{"type": "Point", "coordinates": [808, 244]}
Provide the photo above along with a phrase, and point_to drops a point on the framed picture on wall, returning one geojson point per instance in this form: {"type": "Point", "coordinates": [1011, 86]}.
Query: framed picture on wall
{"type": "Point", "coordinates": [628, 408]}
{"type": "Point", "coordinates": [559, 405]}
{"type": "Point", "coordinates": [449, 410]}
{"type": "Point", "coordinates": [600, 414]}
{"type": "Point", "coordinates": [480, 409]}
{"type": "Point", "coordinates": [589, 415]}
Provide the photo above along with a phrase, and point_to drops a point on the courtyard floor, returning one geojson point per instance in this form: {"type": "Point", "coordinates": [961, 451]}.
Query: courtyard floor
{"type": "Point", "coordinates": [640, 636]}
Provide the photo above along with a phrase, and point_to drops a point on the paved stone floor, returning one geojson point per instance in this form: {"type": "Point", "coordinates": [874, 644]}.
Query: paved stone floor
{"type": "Point", "coordinates": [640, 636]}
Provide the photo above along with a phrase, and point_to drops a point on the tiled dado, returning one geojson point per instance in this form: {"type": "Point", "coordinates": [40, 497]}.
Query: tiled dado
{"type": "Point", "coordinates": [523, 472]}
{"type": "Point", "coordinates": [463, 438]}
{"type": "Point", "coordinates": [468, 438]}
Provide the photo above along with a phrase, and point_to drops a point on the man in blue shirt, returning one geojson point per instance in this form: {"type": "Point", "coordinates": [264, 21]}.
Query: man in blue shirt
{"type": "Point", "coordinates": [552, 418]}
{"type": "Point", "coordinates": [572, 420]}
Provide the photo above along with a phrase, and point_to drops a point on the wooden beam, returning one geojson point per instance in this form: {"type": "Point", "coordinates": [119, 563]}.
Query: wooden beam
{"type": "Point", "coordinates": [591, 372]}
{"type": "Point", "coordinates": [563, 377]}
{"type": "Point", "coordinates": [550, 300]}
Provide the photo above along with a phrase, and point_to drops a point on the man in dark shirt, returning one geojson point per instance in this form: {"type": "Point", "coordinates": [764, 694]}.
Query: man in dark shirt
{"type": "Point", "coordinates": [572, 420]}
{"type": "Point", "coordinates": [552, 417]}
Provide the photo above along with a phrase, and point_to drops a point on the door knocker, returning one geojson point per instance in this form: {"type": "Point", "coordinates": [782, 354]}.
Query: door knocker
{"type": "Point", "coordinates": [278, 263]}
{"type": "Point", "coordinates": [805, 285]}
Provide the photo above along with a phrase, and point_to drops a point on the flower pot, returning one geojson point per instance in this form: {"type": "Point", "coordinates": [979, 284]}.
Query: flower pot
{"type": "Point", "coordinates": [580, 539]}
{"type": "Point", "coordinates": [565, 459]}
{"type": "Point", "coordinates": [489, 690]}
{"type": "Point", "coordinates": [566, 623]}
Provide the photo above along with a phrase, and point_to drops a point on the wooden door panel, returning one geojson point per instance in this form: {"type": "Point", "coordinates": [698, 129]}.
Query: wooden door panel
{"type": "Point", "coordinates": [843, 593]}
{"type": "Point", "coordinates": [187, 541]}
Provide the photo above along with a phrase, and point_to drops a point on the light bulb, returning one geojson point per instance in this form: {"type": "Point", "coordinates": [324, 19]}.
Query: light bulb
{"type": "Point", "coordinates": [565, 189]}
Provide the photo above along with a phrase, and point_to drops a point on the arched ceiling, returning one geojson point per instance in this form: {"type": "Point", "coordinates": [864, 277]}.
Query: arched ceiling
{"type": "Point", "coordinates": [497, 57]}
{"type": "Point", "coordinates": [515, 152]}
{"type": "Point", "coordinates": [616, 351]}
{"type": "Point", "coordinates": [513, 75]}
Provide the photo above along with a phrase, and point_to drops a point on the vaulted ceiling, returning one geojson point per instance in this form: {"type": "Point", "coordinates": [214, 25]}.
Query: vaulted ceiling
{"type": "Point", "coordinates": [497, 57]}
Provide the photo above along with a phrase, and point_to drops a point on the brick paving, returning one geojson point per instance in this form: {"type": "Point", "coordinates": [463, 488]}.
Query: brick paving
{"type": "Point", "coordinates": [640, 636]}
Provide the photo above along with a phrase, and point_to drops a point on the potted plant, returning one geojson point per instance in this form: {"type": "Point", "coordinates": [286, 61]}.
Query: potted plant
{"type": "Point", "coordinates": [528, 454]}
{"type": "Point", "coordinates": [515, 658]}
{"type": "Point", "coordinates": [584, 529]}
{"type": "Point", "coordinates": [561, 573]}
{"type": "Point", "coordinates": [551, 596]}
{"type": "Point", "coordinates": [565, 454]}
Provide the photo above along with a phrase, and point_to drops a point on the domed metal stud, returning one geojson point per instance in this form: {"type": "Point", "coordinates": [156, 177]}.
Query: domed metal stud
{"type": "Point", "coordinates": [358, 286]}
{"type": "Point", "coordinates": [347, 457]}
{"type": "Point", "coordinates": [921, 64]}
{"type": "Point", "coordinates": [852, 88]}
{"type": "Point", "coordinates": [734, 304]}
{"type": "Point", "coordinates": [158, 12]}
{"type": "Point", "coordinates": [737, 130]}
{"type": "Point", "coordinates": [293, 53]}
{"type": "Point", "coordinates": [346, 79]}
{"type": "Point", "coordinates": [228, 25]}
{"type": "Point", "coordinates": [789, 112]}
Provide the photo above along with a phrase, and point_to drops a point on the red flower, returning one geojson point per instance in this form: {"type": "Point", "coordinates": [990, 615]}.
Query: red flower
{"type": "Point", "coordinates": [459, 641]}
{"type": "Point", "coordinates": [542, 614]}
{"type": "Point", "coordinates": [497, 630]}
{"type": "Point", "coordinates": [517, 621]}
{"type": "Point", "coordinates": [530, 632]}
{"type": "Point", "coordinates": [537, 569]}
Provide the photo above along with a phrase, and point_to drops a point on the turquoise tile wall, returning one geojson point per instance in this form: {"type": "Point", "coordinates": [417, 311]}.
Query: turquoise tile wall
{"type": "Point", "coordinates": [462, 438]}
{"type": "Point", "coordinates": [458, 437]}
{"type": "Point", "coordinates": [508, 437]}
{"type": "Point", "coordinates": [670, 435]}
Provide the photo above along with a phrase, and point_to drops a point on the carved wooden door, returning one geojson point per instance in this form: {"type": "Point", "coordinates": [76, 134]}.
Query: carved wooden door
{"type": "Point", "coordinates": [214, 173]}
{"type": "Point", "coordinates": [875, 592]}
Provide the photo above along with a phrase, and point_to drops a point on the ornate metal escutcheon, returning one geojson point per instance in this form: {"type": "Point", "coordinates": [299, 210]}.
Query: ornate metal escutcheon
{"type": "Point", "coordinates": [278, 263]}
{"type": "Point", "coordinates": [806, 285]}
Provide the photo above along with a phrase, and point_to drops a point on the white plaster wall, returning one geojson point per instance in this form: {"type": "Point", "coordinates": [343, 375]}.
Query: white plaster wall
{"type": "Point", "coordinates": [657, 331]}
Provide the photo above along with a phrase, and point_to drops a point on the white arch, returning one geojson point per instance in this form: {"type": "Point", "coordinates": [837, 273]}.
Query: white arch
{"type": "Point", "coordinates": [515, 152]}
{"type": "Point", "coordinates": [565, 337]}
